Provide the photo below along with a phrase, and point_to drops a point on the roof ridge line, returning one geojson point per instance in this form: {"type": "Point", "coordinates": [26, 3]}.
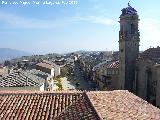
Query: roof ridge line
{"type": "Point", "coordinates": [81, 95]}
{"type": "Point", "coordinates": [96, 111]}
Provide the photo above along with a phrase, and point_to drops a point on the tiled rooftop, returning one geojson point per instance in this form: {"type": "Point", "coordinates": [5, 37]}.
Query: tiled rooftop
{"type": "Point", "coordinates": [122, 105]}
{"type": "Point", "coordinates": [152, 54]}
{"type": "Point", "coordinates": [1, 66]}
{"type": "Point", "coordinates": [75, 105]}
{"type": "Point", "coordinates": [114, 64]}
{"type": "Point", "coordinates": [82, 109]}
{"type": "Point", "coordinates": [45, 65]}
{"type": "Point", "coordinates": [48, 106]}
{"type": "Point", "coordinates": [20, 78]}
{"type": "Point", "coordinates": [38, 73]}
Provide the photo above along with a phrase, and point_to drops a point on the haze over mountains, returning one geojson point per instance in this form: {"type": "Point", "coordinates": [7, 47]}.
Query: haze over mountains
{"type": "Point", "coordinates": [7, 54]}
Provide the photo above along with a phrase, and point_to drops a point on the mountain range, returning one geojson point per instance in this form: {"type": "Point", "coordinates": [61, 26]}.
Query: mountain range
{"type": "Point", "coordinates": [7, 54]}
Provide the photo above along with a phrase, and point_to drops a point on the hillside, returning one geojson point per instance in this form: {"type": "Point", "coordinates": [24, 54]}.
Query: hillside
{"type": "Point", "coordinates": [7, 54]}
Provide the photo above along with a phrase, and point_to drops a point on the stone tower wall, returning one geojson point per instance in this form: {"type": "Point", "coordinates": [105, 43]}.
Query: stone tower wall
{"type": "Point", "coordinates": [129, 49]}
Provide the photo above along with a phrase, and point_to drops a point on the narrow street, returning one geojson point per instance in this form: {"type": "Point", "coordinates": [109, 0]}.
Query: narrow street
{"type": "Point", "coordinates": [68, 85]}
{"type": "Point", "coordinates": [79, 76]}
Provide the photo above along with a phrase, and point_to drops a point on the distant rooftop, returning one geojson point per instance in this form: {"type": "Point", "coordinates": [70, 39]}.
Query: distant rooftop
{"type": "Point", "coordinates": [108, 64]}
{"type": "Point", "coordinates": [1, 65]}
{"type": "Point", "coordinates": [19, 79]}
{"type": "Point", "coordinates": [45, 65]}
{"type": "Point", "coordinates": [152, 54]}
{"type": "Point", "coordinates": [114, 64]}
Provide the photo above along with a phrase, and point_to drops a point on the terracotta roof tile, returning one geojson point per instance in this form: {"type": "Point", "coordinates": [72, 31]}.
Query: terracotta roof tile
{"type": "Point", "coordinates": [44, 105]}
{"type": "Point", "coordinates": [75, 105]}
{"type": "Point", "coordinates": [18, 78]}
{"type": "Point", "coordinates": [45, 65]}
{"type": "Point", "coordinates": [152, 54]}
{"type": "Point", "coordinates": [79, 110]}
{"type": "Point", "coordinates": [122, 105]}
{"type": "Point", "coordinates": [114, 64]}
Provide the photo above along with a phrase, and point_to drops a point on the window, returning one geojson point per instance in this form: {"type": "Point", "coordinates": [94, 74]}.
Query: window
{"type": "Point", "coordinates": [121, 29]}
{"type": "Point", "coordinates": [121, 50]}
{"type": "Point", "coordinates": [132, 29]}
{"type": "Point", "coordinates": [109, 83]}
{"type": "Point", "coordinates": [108, 77]}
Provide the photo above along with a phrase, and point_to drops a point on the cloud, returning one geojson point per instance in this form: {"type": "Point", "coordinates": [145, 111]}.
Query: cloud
{"type": "Point", "coordinates": [22, 22]}
{"type": "Point", "coordinates": [149, 33]}
{"type": "Point", "coordinates": [31, 23]}
{"type": "Point", "coordinates": [96, 19]}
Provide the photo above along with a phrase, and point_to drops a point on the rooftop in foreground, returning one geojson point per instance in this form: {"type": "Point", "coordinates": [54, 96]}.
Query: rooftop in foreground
{"type": "Point", "coordinates": [122, 105]}
{"type": "Point", "coordinates": [73, 105]}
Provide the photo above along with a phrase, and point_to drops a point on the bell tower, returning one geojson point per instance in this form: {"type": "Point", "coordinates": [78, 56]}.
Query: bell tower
{"type": "Point", "coordinates": [128, 47]}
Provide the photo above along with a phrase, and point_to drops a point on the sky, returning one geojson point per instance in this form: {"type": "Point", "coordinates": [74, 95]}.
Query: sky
{"type": "Point", "coordinates": [73, 24]}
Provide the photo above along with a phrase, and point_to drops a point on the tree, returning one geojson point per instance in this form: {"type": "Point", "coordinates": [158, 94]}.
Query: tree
{"type": "Point", "coordinates": [7, 63]}
{"type": "Point", "coordinates": [59, 84]}
{"type": "Point", "coordinates": [60, 87]}
{"type": "Point", "coordinates": [65, 71]}
{"type": "Point", "coordinates": [77, 83]}
{"type": "Point", "coordinates": [26, 65]}
{"type": "Point", "coordinates": [19, 65]}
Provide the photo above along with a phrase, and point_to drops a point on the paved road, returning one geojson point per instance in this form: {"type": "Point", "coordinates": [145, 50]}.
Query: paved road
{"type": "Point", "coordinates": [71, 84]}
{"type": "Point", "coordinates": [83, 83]}
{"type": "Point", "coordinates": [67, 84]}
